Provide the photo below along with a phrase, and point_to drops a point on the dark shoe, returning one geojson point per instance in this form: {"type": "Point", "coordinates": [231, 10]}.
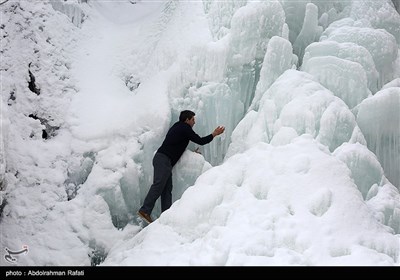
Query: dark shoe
{"type": "Point", "coordinates": [145, 216]}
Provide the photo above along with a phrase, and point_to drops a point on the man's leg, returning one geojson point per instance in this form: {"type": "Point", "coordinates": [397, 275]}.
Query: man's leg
{"type": "Point", "coordinates": [162, 172]}
{"type": "Point", "coordinates": [166, 196]}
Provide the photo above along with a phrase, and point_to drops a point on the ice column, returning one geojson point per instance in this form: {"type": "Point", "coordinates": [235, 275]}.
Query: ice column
{"type": "Point", "coordinates": [379, 119]}
{"type": "Point", "coordinates": [278, 58]}
{"type": "Point", "coordinates": [251, 28]}
{"type": "Point", "coordinates": [72, 9]}
{"type": "Point", "coordinates": [309, 33]}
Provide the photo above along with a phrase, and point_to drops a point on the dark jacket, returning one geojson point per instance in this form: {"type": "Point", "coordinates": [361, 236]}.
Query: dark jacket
{"type": "Point", "coordinates": [178, 138]}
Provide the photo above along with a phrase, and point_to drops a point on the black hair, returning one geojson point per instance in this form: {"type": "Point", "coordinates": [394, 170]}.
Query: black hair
{"type": "Point", "coordinates": [187, 114]}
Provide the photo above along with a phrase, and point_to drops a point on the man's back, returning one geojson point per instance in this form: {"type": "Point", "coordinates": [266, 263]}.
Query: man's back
{"type": "Point", "coordinates": [178, 138]}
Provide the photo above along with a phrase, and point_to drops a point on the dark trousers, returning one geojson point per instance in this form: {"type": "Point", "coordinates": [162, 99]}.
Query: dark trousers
{"type": "Point", "coordinates": [162, 184]}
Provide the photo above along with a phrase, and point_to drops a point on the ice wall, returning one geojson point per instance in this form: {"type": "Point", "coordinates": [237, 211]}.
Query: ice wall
{"type": "Point", "coordinates": [365, 30]}
{"type": "Point", "coordinates": [219, 82]}
{"type": "Point", "coordinates": [219, 79]}
{"type": "Point", "coordinates": [225, 61]}
{"type": "Point", "coordinates": [394, 83]}
{"type": "Point", "coordinates": [344, 78]}
{"type": "Point", "coordinates": [306, 20]}
{"type": "Point", "coordinates": [396, 4]}
{"type": "Point", "coordinates": [379, 119]}
{"type": "Point", "coordinates": [214, 104]}
{"type": "Point", "coordinates": [72, 9]}
{"type": "Point", "coordinates": [380, 14]}
{"type": "Point", "coordinates": [220, 15]}
{"type": "Point", "coordinates": [252, 26]}
{"type": "Point", "coordinates": [379, 194]}
{"type": "Point", "coordinates": [346, 51]}
{"type": "Point", "coordinates": [296, 101]}
{"type": "Point", "coordinates": [381, 44]}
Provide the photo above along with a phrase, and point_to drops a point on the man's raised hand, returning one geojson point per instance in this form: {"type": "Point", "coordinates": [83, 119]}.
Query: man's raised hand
{"type": "Point", "coordinates": [219, 130]}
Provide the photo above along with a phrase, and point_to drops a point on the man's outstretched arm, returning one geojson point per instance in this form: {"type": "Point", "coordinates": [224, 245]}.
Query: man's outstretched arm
{"type": "Point", "coordinates": [206, 139]}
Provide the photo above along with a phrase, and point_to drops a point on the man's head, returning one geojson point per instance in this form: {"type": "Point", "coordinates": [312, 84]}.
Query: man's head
{"type": "Point", "coordinates": [187, 117]}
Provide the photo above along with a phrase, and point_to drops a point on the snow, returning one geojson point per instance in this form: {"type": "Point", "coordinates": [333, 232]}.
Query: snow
{"type": "Point", "coordinates": [276, 197]}
{"type": "Point", "coordinates": [306, 172]}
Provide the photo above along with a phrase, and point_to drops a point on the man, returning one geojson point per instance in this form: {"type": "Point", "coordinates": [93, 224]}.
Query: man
{"type": "Point", "coordinates": [167, 156]}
